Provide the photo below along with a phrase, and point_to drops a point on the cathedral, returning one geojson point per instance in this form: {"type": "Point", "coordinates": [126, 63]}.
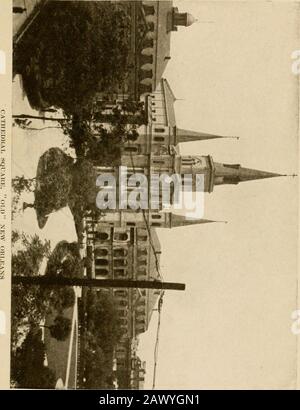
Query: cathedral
{"type": "Point", "coordinates": [155, 152]}
{"type": "Point", "coordinates": [123, 243]}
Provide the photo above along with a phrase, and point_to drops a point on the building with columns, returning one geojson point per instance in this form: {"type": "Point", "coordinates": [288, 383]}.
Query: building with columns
{"type": "Point", "coordinates": [148, 41]}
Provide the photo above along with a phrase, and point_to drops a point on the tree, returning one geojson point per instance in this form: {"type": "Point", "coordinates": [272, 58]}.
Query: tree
{"type": "Point", "coordinates": [97, 367]}
{"type": "Point", "coordinates": [51, 186]}
{"type": "Point", "coordinates": [84, 189]}
{"type": "Point", "coordinates": [73, 50]}
{"type": "Point", "coordinates": [66, 297]}
{"type": "Point", "coordinates": [65, 260]}
{"type": "Point", "coordinates": [102, 333]}
{"type": "Point", "coordinates": [96, 143]}
{"type": "Point", "coordinates": [27, 364]}
{"type": "Point", "coordinates": [53, 183]}
{"type": "Point", "coordinates": [103, 320]}
{"type": "Point", "coordinates": [20, 185]}
{"type": "Point", "coordinates": [28, 253]}
{"type": "Point", "coordinates": [61, 298]}
{"type": "Point", "coordinates": [61, 328]}
{"type": "Point", "coordinates": [29, 303]}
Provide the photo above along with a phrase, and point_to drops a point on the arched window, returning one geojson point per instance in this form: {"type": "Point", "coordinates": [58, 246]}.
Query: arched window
{"type": "Point", "coordinates": [121, 293]}
{"type": "Point", "coordinates": [131, 149]}
{"type": "Point", "coordinates": [148, 43]}
{"type": "Point", "coordinates": [142, 252]}
{"type": "Point", "coordinates": [140, 321]}
{"type": "Point", "coordinates": [156, 224]}
{"type": "Point", "coordinates": [156, 216]}
{"type": "Point", "coordinates": [101, 272]}
{"type": "Point", "coordinates": [188, 161]}
{"type": "Point", "coordinates": [101, 252]}
{"type": "Point", "coordinates": [149, 10]}
{"type": "Point", "coordinates": [120, 273]}
{"type": "Point", "coordinates": [159, 139]}
{"type": "Point", "coordinates": [142, 271]}
{"type": "Point", "coordinates": [101, 262]}
{"type": "Point", "coordinates": [118, 253]}
{"type": "Point", "coordinates": [141, 303]}
{"type": "Point", "coordinates": [143, 238]}
{"type": "Point", "coordinates": [142, 261]}
{"type": "Point", "coordinates": [123, 237]}
{"type": "Point", "coordinates": [159, 130]}
{"type": "Point", "coordinates": [123, 321]}
{"type": "Point", "coordinates": [120, 262]}
{"type": "Point", "coordinates": [102, 236]}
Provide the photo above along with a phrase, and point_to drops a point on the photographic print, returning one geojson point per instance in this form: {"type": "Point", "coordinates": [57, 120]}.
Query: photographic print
{"type": "Point", "coordinates": [154, 195]}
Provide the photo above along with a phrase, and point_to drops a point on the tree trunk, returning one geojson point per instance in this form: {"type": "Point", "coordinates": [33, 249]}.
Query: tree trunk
{"type": "Point", "coordinates": [36, 117]}
{"type": "Point", "coordinates": [27, 205]}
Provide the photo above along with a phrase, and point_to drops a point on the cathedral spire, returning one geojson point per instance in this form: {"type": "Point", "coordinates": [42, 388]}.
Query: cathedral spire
{"type": "Point", "coordinates": [182, 220]}
{"type": "Point", "coordinates": [188, 136]}
{"type": "Point", "coordinates": [234, 173]}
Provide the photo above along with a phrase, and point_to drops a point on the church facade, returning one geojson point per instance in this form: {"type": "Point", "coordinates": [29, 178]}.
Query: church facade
{"type": "Point", "coordinates": [123, 243]}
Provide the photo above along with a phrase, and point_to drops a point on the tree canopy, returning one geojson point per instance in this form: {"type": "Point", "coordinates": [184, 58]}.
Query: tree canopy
{"type": "Point", "coordinates": [53, 183]}
{"type": "Point", "coordinates": [30, 304]}
{"type": "Point", "coordinates": [61, 328]}
{"type": "Point", "coordinates": [73, 50]}
{"type": "Point", "coordinates": [27, 364]}
{"type": "Point", "coordinates": [102, 332]}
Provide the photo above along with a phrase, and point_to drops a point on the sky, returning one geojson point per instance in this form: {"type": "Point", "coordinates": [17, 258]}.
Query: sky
{"type": "Point", "coordinates": [231, 328]}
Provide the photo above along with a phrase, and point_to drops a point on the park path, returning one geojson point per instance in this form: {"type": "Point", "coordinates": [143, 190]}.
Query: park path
{"type": "Point", "coordinates": [71, 373]}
